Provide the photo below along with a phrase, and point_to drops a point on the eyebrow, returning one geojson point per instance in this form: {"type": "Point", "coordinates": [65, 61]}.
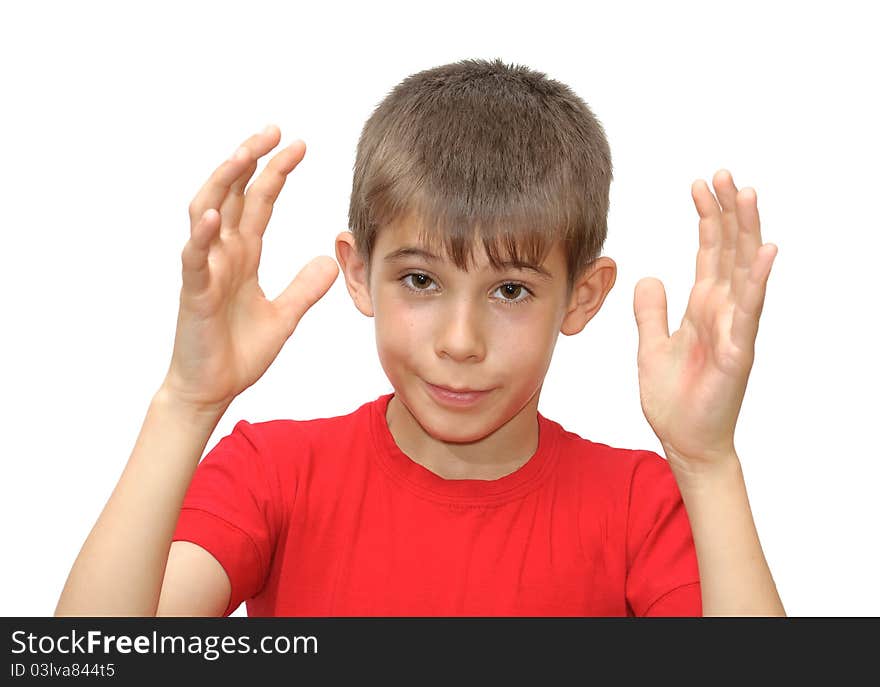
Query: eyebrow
{"type": "Point", "coordinates": [414, 252]}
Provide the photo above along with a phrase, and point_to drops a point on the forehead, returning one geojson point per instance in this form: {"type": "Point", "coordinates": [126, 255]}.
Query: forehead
{"type": "Point", "coordinates": [402, 239]}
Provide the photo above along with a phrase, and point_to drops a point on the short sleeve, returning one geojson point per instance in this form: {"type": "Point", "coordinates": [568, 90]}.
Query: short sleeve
{"type": "Point", "coordinates": [662, 573]}
{"type": "Point", "coordinates": [229, 510]}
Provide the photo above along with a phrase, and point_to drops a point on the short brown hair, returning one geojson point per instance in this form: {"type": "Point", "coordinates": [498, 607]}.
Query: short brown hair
{"type": "Point", "coordinates": [479, 150]}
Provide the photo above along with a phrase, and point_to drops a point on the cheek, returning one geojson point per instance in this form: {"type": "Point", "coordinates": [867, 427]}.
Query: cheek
{"type": "Point", "coordinates": [526, 343]}
{"type": "Point", "coordinates": [399, 328]}
{"type": "Point", "coordinates": [527, 330]}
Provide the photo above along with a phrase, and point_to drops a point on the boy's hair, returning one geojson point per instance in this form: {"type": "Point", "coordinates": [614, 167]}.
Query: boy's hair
{"type": "Point", "coordinates": [479, 150]}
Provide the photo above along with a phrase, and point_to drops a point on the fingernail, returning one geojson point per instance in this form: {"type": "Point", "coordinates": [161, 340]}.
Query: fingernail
{"type": "Point", "coordinates": [268, 129]}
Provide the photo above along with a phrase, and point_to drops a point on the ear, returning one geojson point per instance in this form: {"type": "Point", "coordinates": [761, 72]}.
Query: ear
{"type": "Point", "coordinates": [355, 271]}
{"type": "Point", "coordinates": [588, 294]}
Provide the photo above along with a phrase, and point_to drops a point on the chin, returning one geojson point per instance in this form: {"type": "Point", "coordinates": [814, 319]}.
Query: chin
{"type": "Point", "coordinates": [457, 427]}
{"type": "Point", "coordinates": [457, 432]}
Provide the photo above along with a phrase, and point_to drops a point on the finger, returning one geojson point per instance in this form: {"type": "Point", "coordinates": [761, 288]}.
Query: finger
{"type": "Point", "coordinates": [649, 307]}
{"type": "Point", "coordinates": [306, 289]}
{"type": "Point", "coordinates": [749, 239]}
{"type": "Point", "coordinates": [261, 196]}
{"type": "Point", "coordinates": [196, 273]}
{"type": "Point", "coordinates": [750, 299]}
{"type": "Point", "coordinates": [230, 210]}
{"type": "Point", "coordinates": [726, 191]}
{"type": "Point", "coordinates": [214, 190]}
{"type": "Point", "coordinates": [710, 230]}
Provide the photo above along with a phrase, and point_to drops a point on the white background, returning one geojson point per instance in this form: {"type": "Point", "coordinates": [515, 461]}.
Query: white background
{"type": "Point", "coordinates": [113, 116]}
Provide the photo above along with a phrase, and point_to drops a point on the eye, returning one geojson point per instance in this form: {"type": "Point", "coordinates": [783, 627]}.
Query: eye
{"type": "Point", "coordinates": [511, 292]}
{"type": "Point", "coordinates": [420, 282]}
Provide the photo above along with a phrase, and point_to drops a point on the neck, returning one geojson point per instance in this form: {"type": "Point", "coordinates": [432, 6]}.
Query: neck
{"type": "Point", "coordinates": [499, 453]}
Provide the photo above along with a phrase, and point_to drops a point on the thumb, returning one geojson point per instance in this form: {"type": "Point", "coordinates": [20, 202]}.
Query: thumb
{"type": "Point", "coordinates": [649, 306]}
{"type": "Point", "coordinates": [307, 288]}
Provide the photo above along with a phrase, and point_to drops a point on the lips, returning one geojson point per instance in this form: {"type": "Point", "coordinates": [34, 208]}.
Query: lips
{"type": "Point", "coordinates": [453, 390]}
{"type": "Point", "coordinates": [456, 398]}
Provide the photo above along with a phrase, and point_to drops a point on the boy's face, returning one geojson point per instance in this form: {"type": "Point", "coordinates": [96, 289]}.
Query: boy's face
{"type": "Point", "coordinates": [483, 330]}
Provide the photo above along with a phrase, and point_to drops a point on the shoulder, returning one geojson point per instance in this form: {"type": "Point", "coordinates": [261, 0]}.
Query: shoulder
{"type": "Point", "coordinates": [280, 437]}
{"type": "Point", "coordinates": [625, 479]}
{"type": "Point", "coordinates": [605, 460]}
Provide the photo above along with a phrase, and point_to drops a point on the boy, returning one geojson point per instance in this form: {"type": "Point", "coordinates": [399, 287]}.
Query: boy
{"type": "Point", "coordinates": [478, 213]}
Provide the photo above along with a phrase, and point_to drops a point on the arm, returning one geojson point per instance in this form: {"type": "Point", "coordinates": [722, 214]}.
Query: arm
{"type": "Point", "coordinates": [692, 386]}
{"type": "Point", "coordinates": [228, 333]}
{"type": "Point", "coordinates": [121, 566]}
{"type": "Point", "coordinates": [734, 577]}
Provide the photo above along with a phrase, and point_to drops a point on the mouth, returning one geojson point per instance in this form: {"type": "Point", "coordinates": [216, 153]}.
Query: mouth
{"type": "Point", "coordinates": [456, 397]}
{"type": "Point", "coordinates": [453, 390]}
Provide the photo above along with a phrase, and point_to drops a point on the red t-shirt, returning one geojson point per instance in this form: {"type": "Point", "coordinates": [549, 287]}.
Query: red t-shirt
{"type": "Point", "coordinates": [328, 517]}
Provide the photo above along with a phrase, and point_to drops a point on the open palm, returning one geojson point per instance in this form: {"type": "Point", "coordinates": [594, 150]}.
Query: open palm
{"type": "Point", "coordinates": [228, 332]}
{"type": "Point", "coordinates": [692, 383]}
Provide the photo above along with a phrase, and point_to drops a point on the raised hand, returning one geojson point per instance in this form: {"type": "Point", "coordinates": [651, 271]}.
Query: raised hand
{"type": "Point", "coordinates": [692, 384]}
{"type": "Point", "coordinates": [228, 332]}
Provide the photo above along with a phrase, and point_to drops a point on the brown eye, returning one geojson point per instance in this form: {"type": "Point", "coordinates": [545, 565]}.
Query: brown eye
{"type": "Point", "coordinates": [513, 294]}
{"type": "Point", "coordinates": [511, 290]}
{"type": "Point", "coordinates": [416, 281]}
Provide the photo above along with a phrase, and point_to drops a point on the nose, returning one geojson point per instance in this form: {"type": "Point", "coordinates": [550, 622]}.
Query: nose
{"type": "Point", "coordinates": [460, 332]}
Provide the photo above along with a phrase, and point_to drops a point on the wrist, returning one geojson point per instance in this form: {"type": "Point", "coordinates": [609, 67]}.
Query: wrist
{"type": "Point", "coordinates": [169, 400]}
{"type": "Point", "coordinates": [697, 471]}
